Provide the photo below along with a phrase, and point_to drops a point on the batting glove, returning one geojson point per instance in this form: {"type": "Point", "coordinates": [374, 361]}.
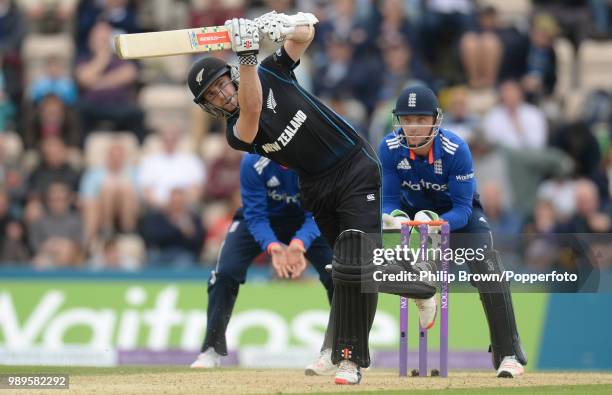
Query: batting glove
{"type": "Point", "coordinates": [245, 39]}
{"type": "Point", "coordinates": [273, 25]}
{"type": "Point", "coordinates": [277, 27]}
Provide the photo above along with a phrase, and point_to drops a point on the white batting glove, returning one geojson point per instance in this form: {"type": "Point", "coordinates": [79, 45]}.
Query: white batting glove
{"type": "Point", "coordinates": [277, 27]}
{"type": "Point", "coordinates": [244, 35]}
{"type": "Point", "coordinates": [274, 26]}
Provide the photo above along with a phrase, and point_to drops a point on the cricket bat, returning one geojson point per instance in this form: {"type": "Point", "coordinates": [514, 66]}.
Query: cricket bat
{"type": "Point", "coordinates": [189, 41]}
{"type": "Point", "coordinates": [172, 42]}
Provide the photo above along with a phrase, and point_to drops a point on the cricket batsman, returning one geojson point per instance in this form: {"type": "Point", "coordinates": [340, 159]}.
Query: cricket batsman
{"type": "Point", "coordinates": [270, 114]}
{"type": "Point", "coordinates": [426, 167]}
{"type": "Point", "coordinates": [270, 220]}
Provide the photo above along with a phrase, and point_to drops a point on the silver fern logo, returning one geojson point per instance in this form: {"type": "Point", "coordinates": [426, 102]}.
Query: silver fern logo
{"type": "Point", "coordinates": [271, 103]}
{"type": "Point", "coordinates": [199, 77]}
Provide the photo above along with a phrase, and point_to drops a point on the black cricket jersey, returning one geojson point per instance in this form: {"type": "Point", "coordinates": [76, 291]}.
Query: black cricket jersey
{"type": "Point", "coordinates": [295, 128]}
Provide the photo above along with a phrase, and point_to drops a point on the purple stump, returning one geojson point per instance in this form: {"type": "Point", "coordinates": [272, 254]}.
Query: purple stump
{"type": "Point", "coordinates": [423, 238]}
{"type": "Point", "coordinates": [403, 349]}
{"type": "Point", "coordinates": [422, 352]}
{"type": "Point", "coordinates": [444, 299]}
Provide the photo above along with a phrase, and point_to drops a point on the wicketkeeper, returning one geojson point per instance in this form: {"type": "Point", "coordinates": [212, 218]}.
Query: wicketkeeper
{"type": "Point", "coordinates": [426, 167]}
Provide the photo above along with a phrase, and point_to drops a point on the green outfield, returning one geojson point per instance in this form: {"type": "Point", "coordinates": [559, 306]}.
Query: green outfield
{"type": "Point", "coordinates": [174, 380]}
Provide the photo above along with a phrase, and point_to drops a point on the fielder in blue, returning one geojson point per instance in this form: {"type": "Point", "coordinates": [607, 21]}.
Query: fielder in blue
{"type": "Point", "coordinates": [270, 220]}
{"type": "Point", "coordinates": [426, 167]}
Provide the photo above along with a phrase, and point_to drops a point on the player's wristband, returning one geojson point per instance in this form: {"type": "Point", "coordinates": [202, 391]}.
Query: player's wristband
{"type": "Point", "coordinates": [299, 243]}
{"type": "Point", "coordinates": [273, 244]}
{"type": "Point", "coordinates": [249, 59]}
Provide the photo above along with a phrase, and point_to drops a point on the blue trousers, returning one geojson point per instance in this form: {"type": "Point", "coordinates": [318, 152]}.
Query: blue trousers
{"type": "Point", "coordinates": [235, 257]}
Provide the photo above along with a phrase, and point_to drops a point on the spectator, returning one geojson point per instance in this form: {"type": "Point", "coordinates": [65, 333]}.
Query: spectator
{"type": "Point", "coordinates": [444, 22]}
{"type": "Point", "coordinates": [13, 28]}
{"type": "Point", "coordinates": [576, 139]}
{"type": "Point", "coordinates": [5, 212]}
{"type": "Point", "coordinates": [174, 235]}
{"type": "Point", "coordinates": [52, 118]}
{"type": "Point", "coordinates": [54, 81]}
{"type": "Point", "coordinates": [541, 60]}
{"type": "Point", "coordinates": [214, 12]}
{"type": "Point", "coordinates": [540, 250]}
{"type": "Point", "coordinates": [457, 115]}
{"type": "Point", "coordinates": [108, 195]}
{"type": "Point", "coordinates": [49, 16]}
{"type": "Point", "coordinates": [601, 11]}
{"type": "Point", "coordinates": [12, 177]}
{"type": "Point", "coordinates": [162, 172]}
{"type": "Point", "coordinates": [589, 218]}
{"type": "Point", "coordinates": [341, 20]}
{"type": "Point", "coordinates": [54, 168]}
{"type": "Point", "coordinates": [483, 49]}
{"type": "Point", "coordinates": [224, 178]}
{"type": "Point", "coordinates": [7, 110]}
{"type": "Point", "coordinates": [124, 252]}
{"type": "Point", "coordinates": [573, 16]}
{"type": "Point", "coordinates": [343, 72]}
{"type": "Point", "coordinates": [401, 66]}
{"type": "Point", "coordinates": [56, 238]}
{"type": "Point", "coordinates": [503, 222]}
{"type": "Point", "coordinates": [390, 23]}
{"type": "Point", "coordinates": [514, 123]}
{"type": "Point", "coordinates": [13, 247]}
{"type": "Point", "coordinates": [108, 86]}
{"type": "Point", "coordinates": [560, 192]}
{"type": "Point", "coordinates": [121, 15]}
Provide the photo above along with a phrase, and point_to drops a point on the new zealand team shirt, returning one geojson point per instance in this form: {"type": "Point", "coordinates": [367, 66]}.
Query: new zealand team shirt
{"type": "Point", "coordinates": [295, 128]}
{"type": "Point", "coordinates": [443, 181]}
{"type": "Point", "coordinates": [272, 192]}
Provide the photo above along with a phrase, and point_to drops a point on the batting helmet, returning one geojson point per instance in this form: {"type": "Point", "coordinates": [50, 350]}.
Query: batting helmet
{"type": "Point", "coordinates": [202, 75]}
{"type": "Point", "coordinates": [417, 100]}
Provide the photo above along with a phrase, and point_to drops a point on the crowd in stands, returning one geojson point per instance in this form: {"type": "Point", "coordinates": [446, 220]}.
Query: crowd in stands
{"type": "Point", "coordinates": [105, 163]}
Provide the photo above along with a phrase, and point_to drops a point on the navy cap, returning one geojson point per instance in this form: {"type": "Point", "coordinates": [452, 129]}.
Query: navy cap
{"type": "Point", "coordinates": [416, 100]}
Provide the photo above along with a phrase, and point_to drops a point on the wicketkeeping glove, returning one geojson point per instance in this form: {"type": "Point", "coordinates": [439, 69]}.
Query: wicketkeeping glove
{"type": "Point", "coordinates": [245, 39]}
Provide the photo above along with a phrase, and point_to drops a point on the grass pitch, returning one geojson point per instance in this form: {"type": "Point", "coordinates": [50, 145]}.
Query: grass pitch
{"type": "Point", "coordinates": [180, 380]}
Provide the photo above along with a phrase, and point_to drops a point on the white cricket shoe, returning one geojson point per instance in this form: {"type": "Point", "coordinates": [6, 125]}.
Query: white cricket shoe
{"type": "Point", "coordinates": [323, 366]}
{"type": "Point", "coordinates": [427, 311]}
{"type": "Point", "coordinates": [348, 373]}
{"type": "Point", "coordinates": [209, 359]}
{"type": "Point", "coordinates": [510, 368]}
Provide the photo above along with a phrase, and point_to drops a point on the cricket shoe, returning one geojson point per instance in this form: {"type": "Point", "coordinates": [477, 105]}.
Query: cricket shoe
{"type": "Point", "coordinates": [510, 368]}
{"type": "Point", "coordinates": [209, 359]}
{"type": "Point", "coordinates": [427, 311]}
{"type": "Point", "coordinates": [323, 366]}
{"type": "Point", "coordinates": [348, 373]}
